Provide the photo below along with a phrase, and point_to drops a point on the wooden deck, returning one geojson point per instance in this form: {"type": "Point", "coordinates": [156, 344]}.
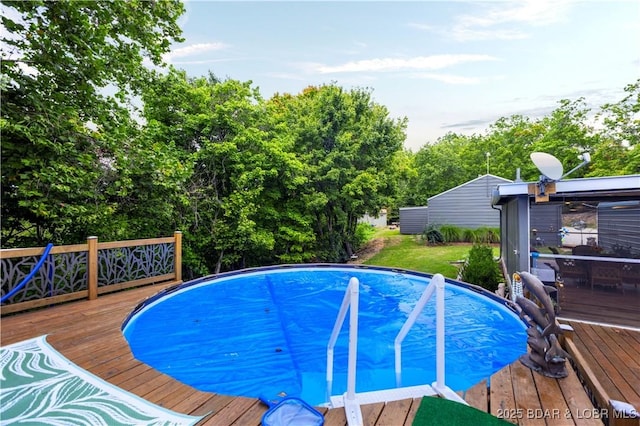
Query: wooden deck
{"type": "Point", "coordinates": [612, 357]}
{"type": "Point", "coordinates": [88, 333]}
{"type": "Point", "coordinates": [526, 398]}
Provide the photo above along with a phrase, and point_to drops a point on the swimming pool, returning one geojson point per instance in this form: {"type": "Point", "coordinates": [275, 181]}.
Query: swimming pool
{"type": "Point", "coordinates": [265, 331]}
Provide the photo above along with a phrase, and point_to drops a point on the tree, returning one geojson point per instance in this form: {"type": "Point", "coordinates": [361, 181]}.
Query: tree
{"type": "Point", "coordinates": [567, 135]}
{"type": "Point", "coordinates": [348, 143]}
{"type": "Point", "coordinates": [441, 166]}
{"type": "Point", "coordinates": [510, 142]}
{"type": "Point", "coordinates": [61, 131]}
{"type": "Point", "coordinates": [619, 152]}
{"type": "Point", "coordinates": [404, 176]}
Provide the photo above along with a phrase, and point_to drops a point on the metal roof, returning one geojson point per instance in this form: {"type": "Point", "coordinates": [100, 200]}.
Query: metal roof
{"type": "Point", "coordinates": [618, 188]}
{"type": "Point", "coordinates": [485, 176]}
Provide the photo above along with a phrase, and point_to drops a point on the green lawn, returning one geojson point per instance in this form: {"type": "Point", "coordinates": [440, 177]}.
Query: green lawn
{"type": "Point", "coordinates": [410, 252]}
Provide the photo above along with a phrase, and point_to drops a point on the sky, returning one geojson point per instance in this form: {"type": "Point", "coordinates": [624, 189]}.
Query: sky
{"type": "Point", "coordinates": [448, 66]}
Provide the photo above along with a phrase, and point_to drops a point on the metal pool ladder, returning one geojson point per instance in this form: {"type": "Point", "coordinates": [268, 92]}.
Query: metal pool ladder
{"type": "Point", "coordinates": [350, 400]}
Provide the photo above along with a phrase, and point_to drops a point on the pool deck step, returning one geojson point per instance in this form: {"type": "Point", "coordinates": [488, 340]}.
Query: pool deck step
{"type": "Point", "coordinates": [386, 395]}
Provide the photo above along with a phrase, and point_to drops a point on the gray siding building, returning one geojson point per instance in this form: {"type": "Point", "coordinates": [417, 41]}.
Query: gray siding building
{"type": "Point", "coordinates": [413, 220]}
{"type": "Point", "coordinates": [379, 221]}
{"type": "Point", "coordinates": [467, 206]}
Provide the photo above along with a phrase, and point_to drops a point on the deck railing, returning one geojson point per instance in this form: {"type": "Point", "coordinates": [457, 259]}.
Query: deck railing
{"type": "Point", "coordinates": [79, 271]}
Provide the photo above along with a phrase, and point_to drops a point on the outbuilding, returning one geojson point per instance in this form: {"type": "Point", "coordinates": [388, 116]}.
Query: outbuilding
{"type": "Point", "coordinates": [413, 219]}
{"type": "Point", "coordinates": [466, 206]}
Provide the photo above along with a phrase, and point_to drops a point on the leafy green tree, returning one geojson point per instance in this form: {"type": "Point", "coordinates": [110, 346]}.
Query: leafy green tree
{"type": "Point", "coordinates": [404, 176]}
{"type": "Point", "coordinates": [619, 152]}
{"type": "Point", "coordinates": [348, 143]}
{"type": "Point", "coordinates": [441, 166]}
{"type": "Point", "coordinates": [244, 205]}
{"type": "Point", "coordinates": [210, 124]}
{"type": "Point", "coordinates": [566, 135]}
{"type": "Point", "coordinates": [149, 192]}
{"type": "Point", "coordinates": [61, 130]}
{"type": "Point", "coordinates": [510, 142]}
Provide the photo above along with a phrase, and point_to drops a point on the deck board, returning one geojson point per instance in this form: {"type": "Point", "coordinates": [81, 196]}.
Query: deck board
{"type": "Point", "coordinates": [552, 407]}
{"type": "Point", "coordinates": [477, 396]}
{"type": "Point", "coordinates": [501, 397]}
{"type": "Point", "coordinates": [415, 404]}
{"type": "Point", "coordinates": [623, 367]}
{"type": "Point", "coordinates": [577, 401]}
{"type": "Point", "coordinates": [233, 411]}
{"type": "Point", "coordinates": [526, 396]}
{"type": "Point", "coordinates": [371, 413]}
{"type": "Point", "coordinates": [610, 355]}
{"type": "Point", "coordinates": [88, 333]}
{"type": "Point", "coordinates": [395, 413]}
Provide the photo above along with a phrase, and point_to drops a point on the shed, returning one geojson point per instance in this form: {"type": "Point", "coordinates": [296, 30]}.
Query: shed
{"type": "Point", "coordinates": [379, 221]}
{"type": "Point", "coordinates": [467, 205]}
{"type": "Point", "coordinates": [413, 220]}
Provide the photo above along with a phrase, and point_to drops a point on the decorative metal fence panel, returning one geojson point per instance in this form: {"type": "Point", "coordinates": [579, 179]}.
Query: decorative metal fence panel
{"type": "Point", "coordinates": [61, 273]}
{"type": "Point", "coordinates": [123, 264]}
{"type": "Point", "coordinates": [74, 272]}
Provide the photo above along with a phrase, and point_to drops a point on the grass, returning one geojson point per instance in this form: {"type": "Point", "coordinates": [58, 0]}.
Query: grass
{"type": "Point", "coordinates": [410, 252]}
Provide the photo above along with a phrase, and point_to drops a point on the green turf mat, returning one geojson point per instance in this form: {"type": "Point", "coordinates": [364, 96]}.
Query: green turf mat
{"type": "Point", "coordinates": [38, 385]}
{"type": "Point", "coordinates": [438, 411]}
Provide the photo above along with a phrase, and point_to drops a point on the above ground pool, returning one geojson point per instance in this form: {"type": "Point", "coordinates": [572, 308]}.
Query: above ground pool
{"type": "Point", "coordinates": [264, 331]}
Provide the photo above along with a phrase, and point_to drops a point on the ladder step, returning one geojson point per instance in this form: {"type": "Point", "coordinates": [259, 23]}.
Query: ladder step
{"type": "Point", "coordinates": [386, 395]}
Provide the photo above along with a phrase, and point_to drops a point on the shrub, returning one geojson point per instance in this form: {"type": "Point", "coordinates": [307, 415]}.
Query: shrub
{"type": "Point", "coordinates": [432, 235]}
{"type": "Point", "coordinates": [364, 232]}
{"type": "Point", "coordinates": [487, 235]}
{"type": "Point", "coordinates": [469, 236]}
{"type": "Point", "coordinates": [480, 268]}
{"type": "Point", "coordinates": [451, 233]}
{"type": "Point", "coordinates": [494, 235]}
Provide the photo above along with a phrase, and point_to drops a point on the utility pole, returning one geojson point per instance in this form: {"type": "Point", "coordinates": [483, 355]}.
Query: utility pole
{"type": "Point", "coordinates": [488, 154]}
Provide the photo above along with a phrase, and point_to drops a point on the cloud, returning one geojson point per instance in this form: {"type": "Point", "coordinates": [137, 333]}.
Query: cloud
{"type": "Point", "coordinates": [465, 33]}
{"type": "Point", "coordinates": [533, 12]}
{"type": "Point", "coordinates": [446, 78]}
{"type": "Point", "coordinates": [468, 124]}
{"type": "Point", "coordinates": [502, 20]}
{"type": "Point", "coordinates": [192, 50]}
{"type": "Point", "coordinates": [202, 61]}
{"type": "Point", "coordinates": [398, 64]}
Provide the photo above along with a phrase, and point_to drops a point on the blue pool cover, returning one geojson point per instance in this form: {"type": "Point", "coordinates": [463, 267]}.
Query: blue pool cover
{"type": "Point", "coordinates": [265, 332]}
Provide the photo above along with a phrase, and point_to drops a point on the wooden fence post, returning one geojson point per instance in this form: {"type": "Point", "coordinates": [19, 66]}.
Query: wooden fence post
{"type": "Point", "coordinates": [92, 267]}
{"type": "Point", "coordinates": [177, 256]}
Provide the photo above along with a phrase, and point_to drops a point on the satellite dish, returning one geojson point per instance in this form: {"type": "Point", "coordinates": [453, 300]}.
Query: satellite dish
{"type": "Point", "coordinates": [548, 165]}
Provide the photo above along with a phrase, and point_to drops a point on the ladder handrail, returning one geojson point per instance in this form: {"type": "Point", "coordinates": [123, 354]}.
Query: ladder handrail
{"type": "Point", "coordinates": [353, 412]}
{"type": "Point", "coordinates": [350, 299]}
{"type": "Point", "coordinates": [437, 283]}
